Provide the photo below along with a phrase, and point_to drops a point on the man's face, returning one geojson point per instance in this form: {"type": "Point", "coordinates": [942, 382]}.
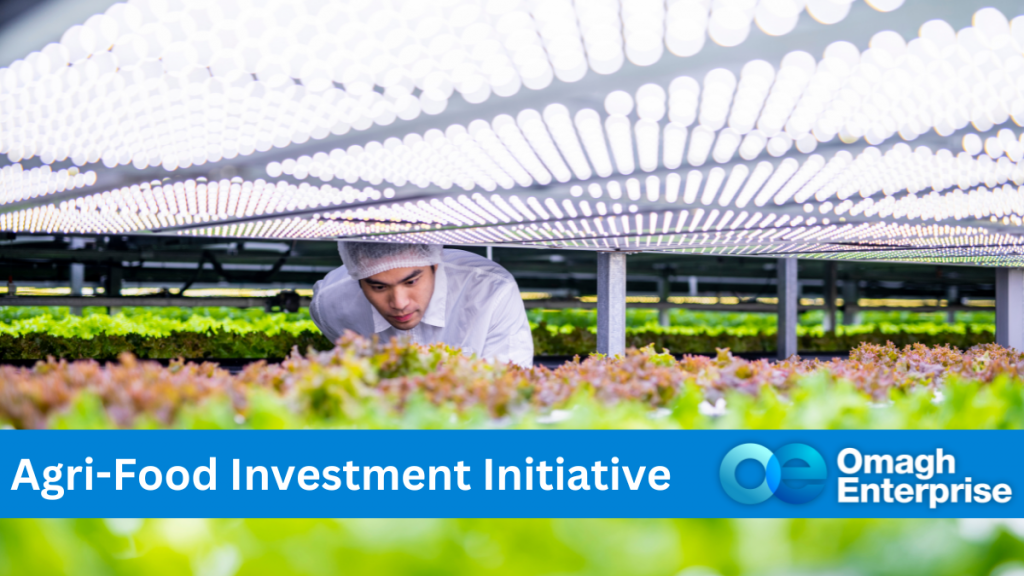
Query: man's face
{"type": "Point", "coordinates": [401, 295]}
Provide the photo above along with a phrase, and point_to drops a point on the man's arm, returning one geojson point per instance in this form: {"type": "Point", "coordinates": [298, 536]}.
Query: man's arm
{"type": "Point", "coordinates": [338, 305]}
{"type": "Point", "coordinates": [315, 312]}
{"type": "Point", "coordinates": [508, 337]}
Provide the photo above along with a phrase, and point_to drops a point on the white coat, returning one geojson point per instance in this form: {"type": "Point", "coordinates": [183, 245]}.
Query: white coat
{"type": "Point", "coordinates": [475, 307]}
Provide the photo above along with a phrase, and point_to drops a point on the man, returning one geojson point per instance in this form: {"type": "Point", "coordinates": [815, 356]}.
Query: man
{"type": "Point", "coordinates": [427, 295]}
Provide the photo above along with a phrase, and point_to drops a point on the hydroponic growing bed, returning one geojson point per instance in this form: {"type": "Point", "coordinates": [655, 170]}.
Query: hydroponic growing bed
{"type": "Point", "coordinates": [367, 383]}
{"type": "Point", "coordinates": [364, 384]}
{"type": "Point", "coordinates": [34, 334]}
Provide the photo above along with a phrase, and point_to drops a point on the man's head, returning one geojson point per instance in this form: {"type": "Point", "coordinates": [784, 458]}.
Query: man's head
{"type": "Point", "coordinates": [397, 279]}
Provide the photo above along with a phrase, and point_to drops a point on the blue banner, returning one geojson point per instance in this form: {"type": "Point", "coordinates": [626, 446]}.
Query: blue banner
{"type": "Point", "coordinates": [511, 474]}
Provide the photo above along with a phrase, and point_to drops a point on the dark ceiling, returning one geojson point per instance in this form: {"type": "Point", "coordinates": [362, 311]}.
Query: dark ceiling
{"type": "Point", "coordinates": [171, 262]}
{"type": "Point", "coordinates": [10, 10]}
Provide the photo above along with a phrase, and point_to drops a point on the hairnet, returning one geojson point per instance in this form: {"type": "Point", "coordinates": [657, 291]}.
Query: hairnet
{"type": "Point", "coordinates": [364, 259]}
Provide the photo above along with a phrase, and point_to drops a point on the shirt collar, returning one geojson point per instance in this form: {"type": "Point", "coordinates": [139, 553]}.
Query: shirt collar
{"type": "Point", "coordinates": [436, 309]}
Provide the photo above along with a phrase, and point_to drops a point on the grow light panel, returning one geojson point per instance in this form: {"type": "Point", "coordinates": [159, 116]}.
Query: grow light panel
{"type": "Point", "coordinates": [18, 184]}
{"type": "Point", "coordinates": [157, 206]}
{"type": "Point", "coordinates": [181, 83]}
{"type": "Point", "coordinates": [941, 81]}
{"type": "Point", "coordinates": [871, 184]}
{"type": "Point", "coordinates": [793, 156]}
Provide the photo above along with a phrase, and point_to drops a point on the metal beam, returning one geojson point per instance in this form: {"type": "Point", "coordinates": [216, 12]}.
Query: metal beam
{"type": "Point", "coordinates": [115, 280]}
{"type": "Point", "coordinates": [553, 304]}
{"type": "Point", "coordinates": [77, 281]}
{"type": "Point", "coordinates": [850, 297]}
{"type": "Point", "coordinates": [159, 301]}
{"type": "Point", "coordinates": [829, 323]}
{"type": "Point", "coordinates": [611, 303]}
{"type": "Point", "coordinates": [569, 303]}
{"type": "Point", "coordinates": [664, 291]}
{"type": "Point", "coordinates": [188, 254]}
{"type": "Point", "coordinates": [77, 273]}
{"type": "Point", "coordinates": [788, 302]}
{"type": "Point", "coordinates": [953, 298]}
{"type": "Point", "coordinates": [1010, 308]}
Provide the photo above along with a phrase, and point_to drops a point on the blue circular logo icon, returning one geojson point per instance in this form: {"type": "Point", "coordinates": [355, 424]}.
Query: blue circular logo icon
{"type": "Point", "coordinates": [794, 473]}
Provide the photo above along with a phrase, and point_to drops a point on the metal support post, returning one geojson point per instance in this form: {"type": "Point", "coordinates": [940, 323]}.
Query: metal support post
{"type": "Point", "coordinates": [115, 278]}
{"type": "Point", "coordinates": [829, 323]}
{"type": "Point", "coordinates": [952, 299]}
{"type": "Point", "coordinates": [693, 285]}
{"type": "Point", "coordinates": [788, 301]}
{"type": "Point", "coordinates": [1010, 308]}
{"type": "Point", "coordinates": [850, 314]}
{"type": "Point", "coordinates": [77, 273]}
{"type": "Point", "coordinates": [611, 303]}
{"type": "Point", "coordinates": [490, 253]}
{"type": "Point", "coordinates": [664, 291]}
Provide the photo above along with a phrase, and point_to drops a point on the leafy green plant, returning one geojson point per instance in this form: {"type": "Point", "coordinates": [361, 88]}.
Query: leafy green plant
{"type": "Point", "coordinates": [763, 321]}
{"type": "Point", "coordinates": [371, 384]}
{"type": "Point", "coordinates": [569, 340]}
{"type": "Point", "coordinates": [368, 384]}
{"type": "Point", "coordinates": [491, 547]}
{"type": "Point", "coordinates": [159, 333]}
{"type": "Point", "coordinates": [232, 333]}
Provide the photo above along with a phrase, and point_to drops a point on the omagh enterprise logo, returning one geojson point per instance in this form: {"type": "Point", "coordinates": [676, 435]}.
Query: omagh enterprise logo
{"type": "Point", "coordinates": [795, 473]}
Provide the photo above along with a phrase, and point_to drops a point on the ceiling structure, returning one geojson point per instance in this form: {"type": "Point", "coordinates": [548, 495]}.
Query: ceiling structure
{"type": "Point", "coordinates": [824, 129]}
{"type": "Point", "coordinates": [152, 265]}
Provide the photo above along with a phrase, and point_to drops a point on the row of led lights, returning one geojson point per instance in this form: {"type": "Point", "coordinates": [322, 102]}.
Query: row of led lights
{"type": "Point", "coordinates": [659, 234]}
{"type": "Point", "coordinates": [223, 199]}
{"type": "Point", "coordinates": [870, 172]}
{"type": "Point", "coordinates": [941, 80]}
{"type": "Point", "coordinates": [843, 176]}
{"type": "Point", "coordinates": [174, 205]}
{"type": "Point", "coordinates": [536, 147]}
{"type": "Point", "coordinates": [992, 253]}
{"type": "Point", "coordinates": [479, 211]}
{"type": "Point", "coordinates": [1004, 256]}
{"type": "Point", "coordinates": [18, 184]}
{"type": "Point", "coordinates": [655, 223]}
{"type": "Point", "coordinates": [606, 229]}
{"type": "Point", "coordinates": [650, 107]}
{"type": "Point", "coordinates": [207, 51]}
{"type": "Point", "coordinates": [790, 180]}
{"type": "Point", "coordinates": [1004, 204]}
{"type": "Point", "coordinates": [994, 145]}
{"type": "Point", "coordinates": [539, 148]}
{"type": "Point", "coordinates": [152, 206]}
{"type": "Point", "coordinates": [901, 168]}
{"type": "Point", "coordinates": [935, 238]}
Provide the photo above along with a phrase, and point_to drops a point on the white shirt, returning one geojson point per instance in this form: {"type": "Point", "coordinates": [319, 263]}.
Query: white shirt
{"type": "Point", "coordinates": [475, 306]}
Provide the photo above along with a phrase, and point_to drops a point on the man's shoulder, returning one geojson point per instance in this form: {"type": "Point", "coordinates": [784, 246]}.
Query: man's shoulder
{"type": "Point", "coordinates": [339, 304]}
{"type": "Point", "coordinates": [337, 280]}
{"type": "Point", "coordinates": [468, 265]}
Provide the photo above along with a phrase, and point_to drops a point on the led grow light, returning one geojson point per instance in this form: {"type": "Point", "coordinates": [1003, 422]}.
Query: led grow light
{"type": "Point", "coordinates": [181, 84]}
{"type": "Point", "coordinates": [792, 156]}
